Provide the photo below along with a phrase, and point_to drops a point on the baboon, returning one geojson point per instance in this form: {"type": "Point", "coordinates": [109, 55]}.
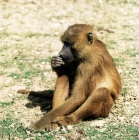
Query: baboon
{"type": "Point", "coordinates": [87, 84]}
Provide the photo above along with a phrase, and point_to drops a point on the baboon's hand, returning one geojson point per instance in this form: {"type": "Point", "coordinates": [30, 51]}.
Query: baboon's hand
{"type": "Point", "coordinates": [49, 127]}
{"type": "Point", "coordinates": [56, 61]}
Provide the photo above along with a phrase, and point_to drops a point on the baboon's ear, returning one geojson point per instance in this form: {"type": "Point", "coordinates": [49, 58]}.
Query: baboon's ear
{"type": "Point", "coordinates": [90, 38]}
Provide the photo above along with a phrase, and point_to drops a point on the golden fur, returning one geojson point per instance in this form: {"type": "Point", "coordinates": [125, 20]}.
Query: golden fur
{"type": "Point", "coordinates": [86, 87]}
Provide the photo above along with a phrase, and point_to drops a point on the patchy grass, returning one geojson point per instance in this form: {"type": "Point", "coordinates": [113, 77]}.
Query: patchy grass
{"type": "Point", "coordinates": [5, 104]}
{"type": "Point", "coordinates": [11, 129]}
{"type": "Point", "coordinates": [128, 132]}
{"type": "Point", "coordinates": [30, 35]}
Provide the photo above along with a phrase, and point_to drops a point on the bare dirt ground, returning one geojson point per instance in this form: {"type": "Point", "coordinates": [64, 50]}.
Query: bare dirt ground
{"type": "Point", "coordinates": [29, 36]}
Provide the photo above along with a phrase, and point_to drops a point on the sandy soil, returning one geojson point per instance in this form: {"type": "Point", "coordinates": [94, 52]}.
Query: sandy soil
{"type": "Point", "coordinates": [30, 32]}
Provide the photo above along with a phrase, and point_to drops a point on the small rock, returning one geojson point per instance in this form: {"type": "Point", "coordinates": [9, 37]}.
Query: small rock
{"type": "Point", "coordinates": [11, 95]}
{"type": "Point", "coordinates": [121, 118]}
{"type": "Point", "coordinates": [15, 112]}
{"type": "Point", "coordinates": [28, 132]}
{"type": "Point", "coordinates": [64, 129]}
{"type": "Point", "coordinates": [98, 123]}
{"type": "Point", "coordinates": [70, 127]}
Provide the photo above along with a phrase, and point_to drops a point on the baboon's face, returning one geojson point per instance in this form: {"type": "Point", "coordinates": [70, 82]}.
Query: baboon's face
{"type": "Point", "coordinates": [67, 53]}
{"type": "Point", "coordinates": [74, 40]}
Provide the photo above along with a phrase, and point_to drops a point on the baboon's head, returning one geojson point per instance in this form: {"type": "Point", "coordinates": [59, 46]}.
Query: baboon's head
{"type": "Point", "coordinates": [77, 39]}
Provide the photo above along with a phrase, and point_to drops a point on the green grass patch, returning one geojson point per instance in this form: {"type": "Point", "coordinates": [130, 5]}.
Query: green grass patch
{"type": "Point", "coordinates": [26, 74]}
{"type": "Point", "coordinates": [42, 135]}
{"type": "Point", "coordinates": [112, 44]}
{"type": "Point", "coordinates": [128, 39]}
{"type": "Point", "coordinates": [45, 60]}
{"type": "Point", "coordinates": [31, 34]}
{"type": "Point", "coordinates": [3, 34]}
{"type": "Point", "coordinates": [26, 70]}
{"type": "Point", "coordinates": [119, 61]}
{"type": "Point", "coordinates": [7, 63]}
{"type": "Point", "coordinates": [15, 75]}
{"type": "Point", "coordinates": [5, 104]}
{"type": "Point", "coordinates": [118, 132]}
{"type": "Point", "coordinates": [3, 48]}
{"type": "Point", "coordinates": [132, 52]}
{"type": "Point", "coordinates": [125, 91]}
{"type": "Point", "coordinates": [11, 128]}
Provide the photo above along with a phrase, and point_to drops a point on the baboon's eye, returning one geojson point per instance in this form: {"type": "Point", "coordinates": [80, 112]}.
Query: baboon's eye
{"type": "Point", "coordinates": [90, 38]}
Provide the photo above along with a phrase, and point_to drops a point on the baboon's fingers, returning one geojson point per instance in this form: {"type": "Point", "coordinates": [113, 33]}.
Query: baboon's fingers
{"type": "Point", "coordinates": [23, 91]}
{"type": "Point", "coordinates": [56, 61]}
{"type": "Point", "coordinates": [56, 65]}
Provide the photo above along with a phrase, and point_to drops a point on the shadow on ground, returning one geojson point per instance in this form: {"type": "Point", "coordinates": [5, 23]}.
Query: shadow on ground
{"type": "Point", "coordinates": [45, 103]}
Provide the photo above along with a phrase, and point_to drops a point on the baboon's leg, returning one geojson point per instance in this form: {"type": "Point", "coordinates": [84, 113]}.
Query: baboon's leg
{"type": "Point", "coordinates": [61, 91]}
{"type": "Point", "coordinates": [72, 103]}
{"type": "Point", "coordinates": [97, 105]}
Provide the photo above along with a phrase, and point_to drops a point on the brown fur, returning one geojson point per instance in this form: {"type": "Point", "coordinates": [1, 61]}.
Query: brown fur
{"type": "Point", "coordinates": [86, 87]}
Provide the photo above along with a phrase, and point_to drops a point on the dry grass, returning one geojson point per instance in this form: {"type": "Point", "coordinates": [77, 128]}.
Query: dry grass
{"type": "Point", "coordinates": [29, 34]}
